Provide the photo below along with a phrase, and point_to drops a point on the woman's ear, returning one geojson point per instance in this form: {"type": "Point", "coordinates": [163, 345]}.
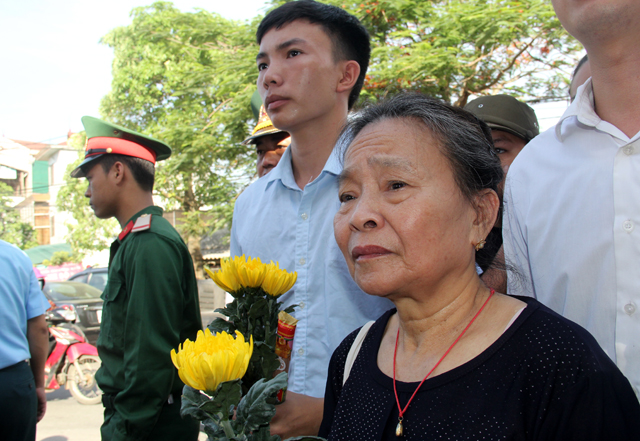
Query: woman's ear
{"type": "Point", "coordinates": [487, 205]}
{"type": "Point", "coordinates": [350, 73]}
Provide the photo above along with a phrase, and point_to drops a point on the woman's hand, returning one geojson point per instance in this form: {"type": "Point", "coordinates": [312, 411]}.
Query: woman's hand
{"type": "Point", "coordinates": [299, 415]}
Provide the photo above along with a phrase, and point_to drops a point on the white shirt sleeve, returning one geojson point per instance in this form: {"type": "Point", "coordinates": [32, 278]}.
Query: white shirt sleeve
{"type": "Point", "coordinates": [519, 278]}
{"type": "Point", "coordinates": [235, 248]}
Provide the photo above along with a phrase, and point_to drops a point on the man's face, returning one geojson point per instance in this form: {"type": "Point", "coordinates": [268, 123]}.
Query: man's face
{"type": "Point", "coordinates": [101, 192]}
{"type": "Point", "coordinates": [594, 21]}
{"type": "Point", "coordinates": [270, 149]}
{"type": "Point", "coordinates": [507, 147]}
{"type": "Point", "coordinates": [298, 74]}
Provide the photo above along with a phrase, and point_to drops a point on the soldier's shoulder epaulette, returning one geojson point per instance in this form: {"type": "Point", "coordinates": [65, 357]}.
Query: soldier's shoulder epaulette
{"type": "Point", "coordinates": [142, 223]}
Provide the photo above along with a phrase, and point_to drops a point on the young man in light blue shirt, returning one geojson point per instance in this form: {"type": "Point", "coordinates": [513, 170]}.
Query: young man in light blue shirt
{"type": "Point", "coordinates": [23, 336]}
{"type": "Point", "coordinates": [312, 63]}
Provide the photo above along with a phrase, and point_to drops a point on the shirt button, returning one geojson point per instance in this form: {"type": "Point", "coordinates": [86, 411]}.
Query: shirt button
{"type": "Point", "coordinates": [628, 226]}
{"type": "Point", "coordinates": [301, 351]}
{"type": "Point", "coordinates": [302, 261]}
{"type": "Point", "coordinates": [628, 150]}
{"type": "Point", "coordinates": [304, 216]}
{"type": "Point", "coordinates": [629, 308]}
{"type": "Point", "coordinates": [301, 305]}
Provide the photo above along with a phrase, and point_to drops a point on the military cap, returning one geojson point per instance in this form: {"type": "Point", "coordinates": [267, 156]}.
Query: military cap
{"type": "Point", "coordinates": [263, 128]}
{"type": "Point", "coordinates": [104, 138]}
{"type": "Point", "coordinates": [504, 112]}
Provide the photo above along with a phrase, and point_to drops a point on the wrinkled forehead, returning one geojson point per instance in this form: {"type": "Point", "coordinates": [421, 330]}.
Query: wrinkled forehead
{"type": "Point", "coordinates": [401, 144]}
{"type": "Point", "coordinates": [400, 136]}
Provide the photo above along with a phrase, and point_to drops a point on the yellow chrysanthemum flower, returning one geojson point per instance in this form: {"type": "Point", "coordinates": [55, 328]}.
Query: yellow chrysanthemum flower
{"type": "Point", "coordinates": [212, 359]}
{"type": "Point", "coordinates": [226, 278]}
{"type": "Point", "coordinates": [250, 272]}
{"type": "Point", "coordinates": [278, 281]}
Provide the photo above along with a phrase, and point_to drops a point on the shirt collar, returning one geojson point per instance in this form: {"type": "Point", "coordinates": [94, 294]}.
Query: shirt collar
{"type": "Point", "coordinates": [583, 109]}
{"type": "Point", "coordinates": [284, 170]}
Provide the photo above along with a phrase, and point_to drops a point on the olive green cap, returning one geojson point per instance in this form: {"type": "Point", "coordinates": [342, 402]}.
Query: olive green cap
{"type": "Point", "coordinates": [105, 138]}
{"type": "Point", "coordinates": [504, 112]}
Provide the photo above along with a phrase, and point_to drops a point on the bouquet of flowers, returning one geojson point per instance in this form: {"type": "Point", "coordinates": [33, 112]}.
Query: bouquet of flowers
{"type": "Point", "coordinates": [230, 383]}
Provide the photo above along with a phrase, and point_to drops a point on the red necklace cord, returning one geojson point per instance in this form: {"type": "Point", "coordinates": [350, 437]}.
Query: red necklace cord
{"type": "Point", "coordinates": [401, 411]}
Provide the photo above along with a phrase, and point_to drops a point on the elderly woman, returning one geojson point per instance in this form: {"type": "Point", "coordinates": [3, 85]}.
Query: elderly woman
{"type": "Point", "coordinates": [454, 360]}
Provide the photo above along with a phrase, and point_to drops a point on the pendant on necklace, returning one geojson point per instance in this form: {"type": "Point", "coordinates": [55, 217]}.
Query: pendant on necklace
{"type": "Point", "coordinates": [399, 428]}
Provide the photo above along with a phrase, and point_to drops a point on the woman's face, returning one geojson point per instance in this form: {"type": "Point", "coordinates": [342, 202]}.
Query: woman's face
{"type": "Point", "coordinates": [403, 223]}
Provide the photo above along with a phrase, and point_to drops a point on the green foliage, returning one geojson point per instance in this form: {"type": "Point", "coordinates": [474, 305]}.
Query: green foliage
{"type": "Point", "coordinates": [253, 412]}
{"type": "Point", "coordinates": [12, 228]}
{"type": "Point", "coordinates": [60, 257]}
{"type": "Point", "coordinates": [456, 48]}
{"type": "Point", "coordinates": [187, 78]}
{"type": "Point", "coordinates": [86, 233]}
{"type": "Point", "coordinates": [253, 312]}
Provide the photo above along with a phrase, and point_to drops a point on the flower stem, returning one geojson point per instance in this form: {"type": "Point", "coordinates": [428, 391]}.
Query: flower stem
{"type": "Point", "coordinates": [228, 430]}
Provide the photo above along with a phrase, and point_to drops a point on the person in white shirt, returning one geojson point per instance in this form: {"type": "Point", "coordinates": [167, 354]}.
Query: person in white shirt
{"type": "Point", "coordinates": [312, 64]}
{"type": "Point", "coordinates": [581, 74]}
{"type": "Point", "coordinates": [572, 197]}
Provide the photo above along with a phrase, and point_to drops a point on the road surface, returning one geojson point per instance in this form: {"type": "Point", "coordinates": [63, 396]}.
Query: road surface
{"type": "Point", "coordinates": [68, 420]}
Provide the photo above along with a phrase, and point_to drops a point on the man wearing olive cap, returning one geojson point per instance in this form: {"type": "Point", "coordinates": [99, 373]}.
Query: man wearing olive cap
{"type": "Point", "coordinates": [513, 124]}
{"type": "Point", "coordinates": [151, 298]}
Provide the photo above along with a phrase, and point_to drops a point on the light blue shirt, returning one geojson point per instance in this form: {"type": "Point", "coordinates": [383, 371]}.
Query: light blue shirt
{"type": "Point", "coordinates": [20, 300]}
{"type": "Point", "coordinates": [275, 220]}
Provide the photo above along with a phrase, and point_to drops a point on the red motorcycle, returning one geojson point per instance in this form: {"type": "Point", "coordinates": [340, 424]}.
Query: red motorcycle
{"type": "Point", "coordinates": [72, 362]}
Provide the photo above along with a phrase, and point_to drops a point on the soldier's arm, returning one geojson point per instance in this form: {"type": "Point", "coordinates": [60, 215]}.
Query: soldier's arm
{"type": "Point", "coordinates": [155, 283]}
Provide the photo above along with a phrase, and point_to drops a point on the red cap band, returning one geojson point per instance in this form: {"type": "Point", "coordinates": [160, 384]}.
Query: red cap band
{"type": "Point", "coordinates": [101, 145]}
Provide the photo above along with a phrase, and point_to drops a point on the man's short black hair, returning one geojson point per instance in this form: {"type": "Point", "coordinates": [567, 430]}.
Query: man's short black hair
{"type": "Point", "coordinates": [142, 170]}
{"type": "Point", "coordinates": [350, 39]}
{"type": "Point", "coordinates": [579, 65]}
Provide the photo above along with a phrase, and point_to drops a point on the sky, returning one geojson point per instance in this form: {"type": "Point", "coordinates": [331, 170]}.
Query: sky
{"type": "Point", "coordinates": [53, 69]}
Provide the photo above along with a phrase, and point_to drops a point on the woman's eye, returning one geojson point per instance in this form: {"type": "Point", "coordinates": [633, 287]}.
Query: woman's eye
{"type": "Point", "coordinates": [397, 185]}
{"type": "Point", "coordinates": [346, 198]}
{"type": "Point", "coordinates": [500, 151]}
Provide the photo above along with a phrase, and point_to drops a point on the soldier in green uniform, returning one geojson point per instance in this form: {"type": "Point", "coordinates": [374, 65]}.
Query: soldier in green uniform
{"type": "Point", "coordinates": [151, 298]}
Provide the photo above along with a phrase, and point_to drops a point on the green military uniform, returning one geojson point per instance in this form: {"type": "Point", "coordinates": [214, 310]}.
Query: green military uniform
{"type": "Point", "coordinates": [150, 305]}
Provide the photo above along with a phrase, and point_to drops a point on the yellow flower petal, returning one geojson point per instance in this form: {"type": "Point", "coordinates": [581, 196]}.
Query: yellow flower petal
{"type": "Point", "coordinates": [226, 277]}
{"type": "Point", "coordinates": [212, 359]}
{"type": "Point", "coordinates": [278, 281]}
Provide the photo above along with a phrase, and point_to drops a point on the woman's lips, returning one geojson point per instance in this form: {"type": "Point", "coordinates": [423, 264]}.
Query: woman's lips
{"type": "Point", "coordinates": [368, 252]}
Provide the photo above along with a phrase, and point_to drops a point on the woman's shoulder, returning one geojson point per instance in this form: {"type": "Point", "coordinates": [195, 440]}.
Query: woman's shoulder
{"type": "Point", "coordinates": [552, 338]}
{"type": "Point", "coordinates": [374, 332]}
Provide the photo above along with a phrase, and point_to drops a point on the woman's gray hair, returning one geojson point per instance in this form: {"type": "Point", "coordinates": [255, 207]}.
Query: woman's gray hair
{"type": "Point", "coordinates": [463, 139]}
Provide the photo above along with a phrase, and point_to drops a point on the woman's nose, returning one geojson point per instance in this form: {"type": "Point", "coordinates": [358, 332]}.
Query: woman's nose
{"type": "Point", "coordinates": [366, 215]}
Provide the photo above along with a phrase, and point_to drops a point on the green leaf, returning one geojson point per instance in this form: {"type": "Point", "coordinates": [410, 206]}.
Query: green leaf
{"type": "Point", "coordinates": [225, 399]}
{"type": "Point", "coordinates": [221, 325]}
{"type": "Point", "coordinates": [260, 308]}
{"type": "Point", "coordinates": [263, 434]}
{"type": "Point", "coordinates": [192, 399]}
{"type": "Point", "coordinates": [257, 408]}
{"type": "Point", "coordinates": [290, 309]}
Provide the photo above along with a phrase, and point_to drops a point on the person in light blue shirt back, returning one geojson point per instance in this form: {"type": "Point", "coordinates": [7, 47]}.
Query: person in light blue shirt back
{"type": "Point", "coordinates": [312, 63]}
{"type": "Point", "coordinates": [23, 336]}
